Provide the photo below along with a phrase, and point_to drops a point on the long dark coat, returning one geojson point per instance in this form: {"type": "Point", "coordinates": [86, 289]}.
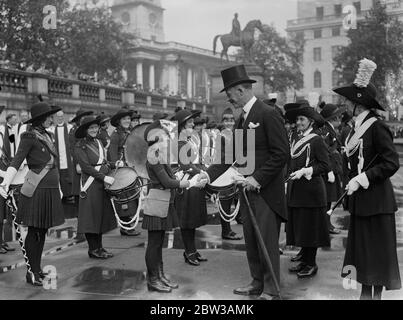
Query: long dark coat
{"type": "Point", "coordinates": [371, 243]}
{"type": "Point", "coordinates": [95, 211]}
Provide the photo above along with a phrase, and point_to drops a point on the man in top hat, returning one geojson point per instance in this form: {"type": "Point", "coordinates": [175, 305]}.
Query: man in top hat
{"type": "Point", "coordinates": [76, 172]}
{"type": "Point", "coordinates": [265, 185]}
{"type": "Point", "coordinates": [332, 114]}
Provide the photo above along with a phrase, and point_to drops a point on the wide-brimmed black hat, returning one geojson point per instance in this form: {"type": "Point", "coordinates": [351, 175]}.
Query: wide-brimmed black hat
{"type": "Point", "coordinates": [234, 76]}
{"type": "Point", "coordinates": [160, 116]}
{"type": "Point", "coordinates": [330, 111]}
{"type": "Point", "coordinates": [291, 117]}
{"type": "Point", "coordinates": [79, 114]}
{"type": "Point", "coordinates": [306, 111]}
{"type": "Point", "coordinates": [200, 120]}
{"type": "Point", "coordinates": [41, 110]}
{"type": "Point", "coordinates": [85, 123]}
{"type": "Point", "coordinates": [103, 118]}
{"type": "Point", "coordinates": [365, 96]}
{"type": "Point", "coordinates": [362, 91]}
{"type": "Point", "coordinates": [135, 115]}
{"type": "Point", "coordinates": [119, 115]}
{"type": "Point", "coordinates": [184, 115]}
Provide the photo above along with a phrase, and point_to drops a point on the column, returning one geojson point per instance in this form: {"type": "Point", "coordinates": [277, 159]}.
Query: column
{"type": "Point", "coordinates": [152, 76]}
{"type": "Point", "coordinates": [190, 83]}
{"type": "Point", "coordinates": [173, 79]}
{"type": "Point", "coordinates": [139, 73]}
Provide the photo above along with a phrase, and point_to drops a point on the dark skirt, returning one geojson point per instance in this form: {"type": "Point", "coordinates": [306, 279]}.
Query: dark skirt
{"type": "Point", "coordinates": [95, 213]}
{"type": "Point", "coordinates": [191, 208]}
{"type": "Point", "coordinates": [43, 210]}
{"type": "Point", "coordinates": [151, 223]}
{"type": "Point", "coordinates": [371, 249]}
{"type": "Point", "coordinates": [333, 190]}
{"type": "Point", "coordinates": [307, 227]}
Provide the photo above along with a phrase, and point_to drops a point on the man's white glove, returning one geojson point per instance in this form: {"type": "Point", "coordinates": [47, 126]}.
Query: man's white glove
{"type": "Point", "coordinates": [196, 182]}
{"type": "Point", "coordinates": [330, 177]}
{"type": "Point", "coordinates": [355, 183]}
{"type": "Point", "coordinates": [304, 172]}
{"type": "Point", "coordinates": [109, 180]}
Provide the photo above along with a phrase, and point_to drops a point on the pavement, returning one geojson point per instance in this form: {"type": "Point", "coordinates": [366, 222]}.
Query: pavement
{"type": "Point", "coordinates": [123, 276]}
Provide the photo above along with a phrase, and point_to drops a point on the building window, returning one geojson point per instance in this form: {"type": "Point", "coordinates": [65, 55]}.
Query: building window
{"type": "Point", "coordinates": [337, 10]}
{"type": "Point", "coordinates": [335, 51]}
{"type": "Point", "coordinates": [317, 33]}
{"type": "Point", "coordinates": [336, 76]}
{"type": "Point", "coordinates": [319, 12]}
{"type": "Point", "coordinates": [357, 6]}
{"type": "Point", "coordinates": [317, 54]}
{"type": "Point", "coordinates": [317, 79]}
{"type": "Point", "coordinates": [336, 31]}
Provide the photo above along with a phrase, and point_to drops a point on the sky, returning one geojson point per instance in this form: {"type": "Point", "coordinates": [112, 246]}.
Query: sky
{"type": "Point", "coordinates": [196, 22]}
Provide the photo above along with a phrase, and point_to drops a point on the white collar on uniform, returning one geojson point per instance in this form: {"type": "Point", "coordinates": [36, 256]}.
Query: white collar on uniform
{"type": "Point", "coordinates": [360, 118]}
{"type": "Point", "coordinates": [249, 106]}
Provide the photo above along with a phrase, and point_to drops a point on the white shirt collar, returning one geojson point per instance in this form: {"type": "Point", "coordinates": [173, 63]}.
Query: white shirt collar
{"type": "Point", "coordinates": [360, 118]}
{"type": "Point", "coordinates": [249, 106]}
{"type": "Point", "coordinates": [307, 132]}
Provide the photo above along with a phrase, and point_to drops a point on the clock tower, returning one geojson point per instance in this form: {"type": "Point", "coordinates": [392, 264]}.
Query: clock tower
{"type": "Point", "coordinates": [144, 18]}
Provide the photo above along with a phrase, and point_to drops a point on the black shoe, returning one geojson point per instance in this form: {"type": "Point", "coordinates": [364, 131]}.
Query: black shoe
{"type": "Point", "coordinates": [308, 271]}
{"type": "Point", "coordinates": [110, 255]}
{"type": "Point", "coordinates": [249, 290]}
{"type": "Point", "coordinates": [155, 284]}
{"type": "Point", "coordinates": [231, 236]}
{"type": "Point", "coordinates": [297, 268]}
{"type": "Point", "coordinates": [129, 233]}
{"type": "Point", "coordinates": [191, 259]}
{"type": "Point", "coordinates": [97, 254]}
{"type": "Point", "coordinates": [200, 258]}
{"type": "Point", "coordinates": [6, 247]}
{"type": "Point", "coordinates": [165, 280]}
{"type": "Point", "coordinates": [36, 280]}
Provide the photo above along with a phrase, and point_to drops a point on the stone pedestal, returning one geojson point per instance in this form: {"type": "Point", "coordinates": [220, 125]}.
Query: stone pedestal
{"type": "Point", "coordinates": [220, 100]}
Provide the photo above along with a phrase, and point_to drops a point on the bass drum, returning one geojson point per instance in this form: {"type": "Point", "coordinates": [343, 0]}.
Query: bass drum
{"type": "Point", "coordinates": [136, 150]}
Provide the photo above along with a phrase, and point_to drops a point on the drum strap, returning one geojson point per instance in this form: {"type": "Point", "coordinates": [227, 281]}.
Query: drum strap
{"type": "Point", "coordinates": [91, 179]}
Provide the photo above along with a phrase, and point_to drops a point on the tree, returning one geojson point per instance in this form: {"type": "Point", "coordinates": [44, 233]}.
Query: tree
{"type": "Point", "coordinates": [86, 39]}
{"type": "Point", "coordinates": [379, 38]}
{"type": "Point", "coordinates": [279, 59]}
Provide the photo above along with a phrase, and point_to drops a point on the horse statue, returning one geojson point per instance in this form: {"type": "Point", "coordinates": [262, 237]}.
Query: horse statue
{"type": "Point", "coordinates": [246, 40]}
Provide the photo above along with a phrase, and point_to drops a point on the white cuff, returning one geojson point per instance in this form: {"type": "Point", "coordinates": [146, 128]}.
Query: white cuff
{"type": "Point", "coordinates": [362, 179]}
{"type": "Point", "coordinates": [308, 173]}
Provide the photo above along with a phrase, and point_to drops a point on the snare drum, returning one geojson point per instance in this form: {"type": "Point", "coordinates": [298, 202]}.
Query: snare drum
{"type": "Point", "coordinates": [224, 186]}
{"type": "Point", "coordinates": [125, 191]}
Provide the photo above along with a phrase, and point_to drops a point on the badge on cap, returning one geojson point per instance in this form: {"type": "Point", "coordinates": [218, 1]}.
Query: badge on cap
{"type": "Point", "coordinates": [359, 95]}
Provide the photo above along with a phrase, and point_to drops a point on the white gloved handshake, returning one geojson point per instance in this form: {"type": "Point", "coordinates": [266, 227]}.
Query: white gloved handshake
{"type": "Point", "coordinates": [304, 172]}
{"type": "Point", "coordinates": [355, 183]}
{"type": "Point", "coordinates": [195, 183]}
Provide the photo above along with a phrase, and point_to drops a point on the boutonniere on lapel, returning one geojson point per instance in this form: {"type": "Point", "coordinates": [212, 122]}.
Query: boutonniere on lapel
{"type": "Point", "coordinates": [252, 125]}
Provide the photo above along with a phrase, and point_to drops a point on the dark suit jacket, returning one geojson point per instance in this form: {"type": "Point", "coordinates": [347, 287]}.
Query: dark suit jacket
{"type": "Point", "coordinates": [272, 152]}
{"type": "Point", "coordinates": [379, 198]}
{"type": "Point", "coordinates": [334, 148]}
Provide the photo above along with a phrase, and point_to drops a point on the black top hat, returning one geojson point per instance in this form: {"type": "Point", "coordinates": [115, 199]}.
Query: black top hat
{"type": "Point", "coordinates": [119, 115]}
{"type": "Point", "coordinates": [41, 110]}
{"type": "Point", "coordinates": [79, 114]}
{"type": "Point", "coordinates": [234, 76]}
{"type": "Point", "coordinates": [85, 123]}
{"type": "Point", "coordinates": [159, 116]}
{"type": "Point", "coordinates": [184, 115]}
{"type": "Point", "coordinates": [307, 111]}
{"type": "Point", "coordinates": [329, 111]}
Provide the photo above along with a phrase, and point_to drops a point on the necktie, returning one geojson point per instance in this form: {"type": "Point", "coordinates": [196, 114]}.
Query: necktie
{"type": "Point", "coordinates": [242, 119]}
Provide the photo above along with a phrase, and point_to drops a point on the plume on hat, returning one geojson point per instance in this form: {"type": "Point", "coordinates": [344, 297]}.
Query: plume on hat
{"type": "Point", "coordinates": [365, 71]}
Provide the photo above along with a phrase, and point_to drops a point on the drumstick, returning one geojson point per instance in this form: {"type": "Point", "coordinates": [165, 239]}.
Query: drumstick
{"type": "Point", "coordinates": [346, 192]}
